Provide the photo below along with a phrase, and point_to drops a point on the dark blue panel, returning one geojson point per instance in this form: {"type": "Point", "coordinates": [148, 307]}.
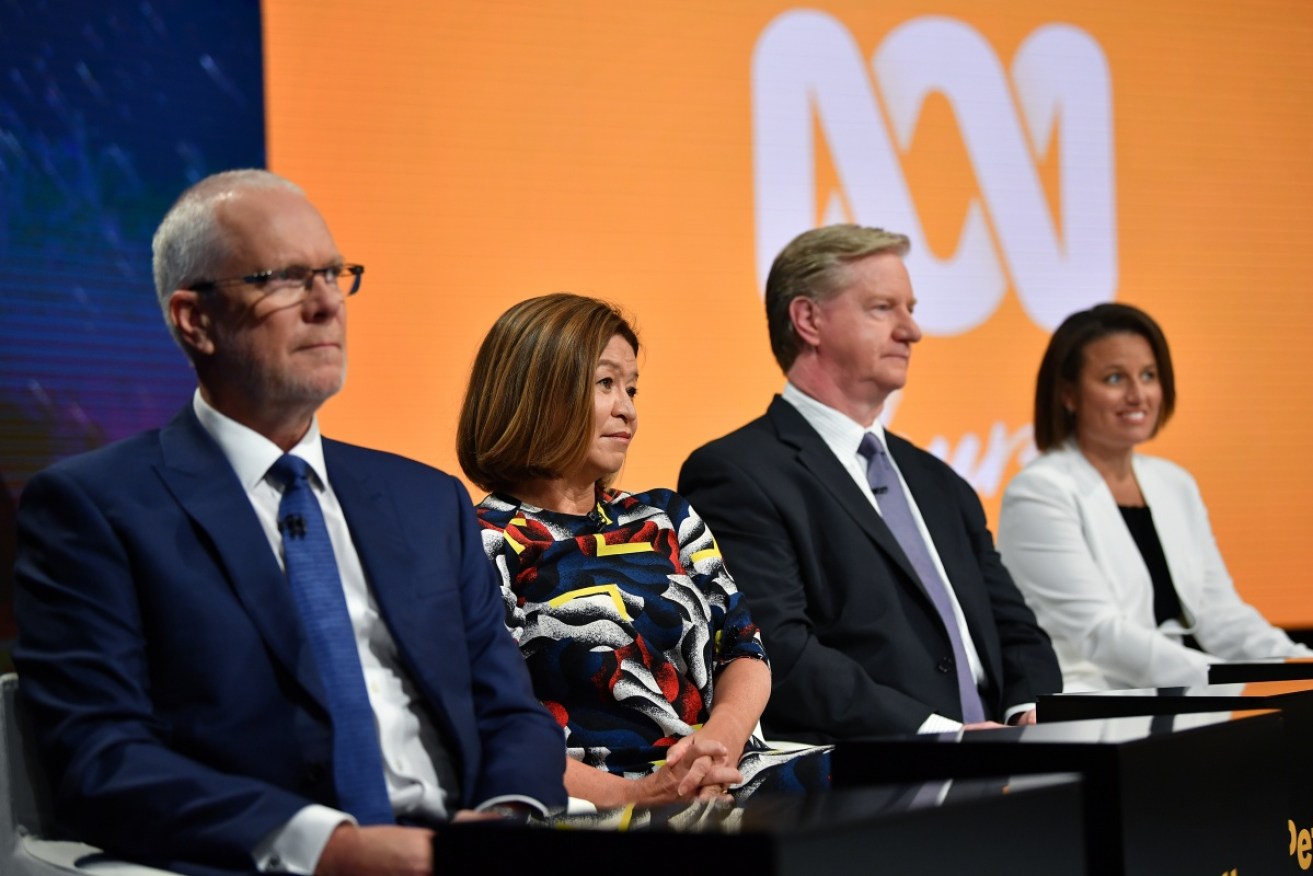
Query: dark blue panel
{"type": "Point", "coordinates": [108, 109]}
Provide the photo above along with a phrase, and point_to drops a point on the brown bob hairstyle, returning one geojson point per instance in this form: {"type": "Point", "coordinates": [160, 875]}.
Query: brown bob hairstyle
{"type": "Point", "coordinates": [1060, 369]}
{"type": "Point", "coordinates": [528, 411]}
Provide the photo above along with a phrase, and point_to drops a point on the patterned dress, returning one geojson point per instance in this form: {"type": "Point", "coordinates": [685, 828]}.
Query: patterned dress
{"type": "Point", "coordinates": [624, 617]}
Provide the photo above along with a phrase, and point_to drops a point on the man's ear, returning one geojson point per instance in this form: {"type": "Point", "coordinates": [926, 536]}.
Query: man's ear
{"type": "Point", "coordinates": [193, 324]}
{"type": "Point", "coordinates": [803, 312]}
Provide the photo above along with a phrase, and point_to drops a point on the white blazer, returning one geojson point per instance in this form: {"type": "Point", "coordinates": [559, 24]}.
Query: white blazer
{"type": "Point", "coordinates": [1064, 540]}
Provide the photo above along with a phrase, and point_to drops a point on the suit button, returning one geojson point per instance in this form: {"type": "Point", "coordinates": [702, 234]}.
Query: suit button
{"type": "Point", "coordinates": [946, 665]}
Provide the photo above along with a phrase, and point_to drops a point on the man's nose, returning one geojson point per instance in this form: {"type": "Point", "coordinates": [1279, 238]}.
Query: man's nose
{"type": "Point", "coordinates": [324, 297]}
{"type": "Point", "coordinates": [908, 330]}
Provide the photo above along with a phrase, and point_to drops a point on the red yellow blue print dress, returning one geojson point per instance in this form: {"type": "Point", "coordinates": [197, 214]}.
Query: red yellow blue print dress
{"type": "Point", "coordinates": [624, 617]}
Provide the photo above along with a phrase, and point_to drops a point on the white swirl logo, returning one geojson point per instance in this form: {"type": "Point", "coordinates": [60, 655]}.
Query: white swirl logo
{"type": "Point", "coordinates": [808, 73]}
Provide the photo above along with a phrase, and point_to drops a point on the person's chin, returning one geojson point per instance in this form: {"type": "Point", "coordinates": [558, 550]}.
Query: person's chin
{"type": "Point", "coordinates": [892, 383]}
{"type": "Point", "coordinates": [317, 389]}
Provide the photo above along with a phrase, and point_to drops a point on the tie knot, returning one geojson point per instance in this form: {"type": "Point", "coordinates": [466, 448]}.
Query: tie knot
{"type": "Point", "coordinates": [870, 447]}
{"type": "Point", "coordinates": [289, 470]}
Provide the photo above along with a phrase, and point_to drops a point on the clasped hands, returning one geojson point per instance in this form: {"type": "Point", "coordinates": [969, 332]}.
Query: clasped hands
{"type": "Point", "coordinates": [697, 767]}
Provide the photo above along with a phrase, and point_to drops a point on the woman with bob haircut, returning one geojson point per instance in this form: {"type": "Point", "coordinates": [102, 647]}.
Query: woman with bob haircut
{"type": "Point", "coordinates": [635, 636]}
{"type": "Point", "coordinates": [1113, 549]}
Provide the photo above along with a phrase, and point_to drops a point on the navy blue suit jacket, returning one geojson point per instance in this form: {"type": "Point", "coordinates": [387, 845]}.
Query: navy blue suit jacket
{"type": "Point", "coordinates": [176, 701]}
{"type": "Point", "coordinates": [857, 647]}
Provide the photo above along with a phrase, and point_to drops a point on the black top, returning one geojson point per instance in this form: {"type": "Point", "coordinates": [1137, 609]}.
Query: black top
{"type": "Point", "coordinates": [1166, 604]}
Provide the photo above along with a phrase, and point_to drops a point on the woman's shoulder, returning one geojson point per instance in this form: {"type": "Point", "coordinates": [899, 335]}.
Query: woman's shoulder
{"type": "Point", "coordinates": [1159, 465]}
{"type": "Point", "coordinates": [661, 503]}
{"type": "Point", "coordinates": [1058, 466]}
{"type": "Point", "coordinates": [1065, 470]}
{"type": "Point", "coordinates": [659, 498]}
{"type": "Point", "coordinates": [495, 511]}
{"type": "Point", "coordinates": [1164, 472]}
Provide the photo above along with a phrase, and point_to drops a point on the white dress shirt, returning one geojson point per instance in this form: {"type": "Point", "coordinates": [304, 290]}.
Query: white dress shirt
{"type": "Point", "coordinates": [421, 780]}
{"type": "Point", "coordinates": [843, 436]}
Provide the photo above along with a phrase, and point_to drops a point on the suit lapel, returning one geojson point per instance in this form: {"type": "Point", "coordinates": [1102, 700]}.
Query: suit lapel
{"type": "Point", "coordinates": [815, 455]}
{"type": "Point", "coordinates": [937, 510]}
{"type": "Point", "coordinates": [940, 513]}
{"type": "Point", "coordinates": [376, 532]}
{"type": "Point", "coordinates": [205, 485]}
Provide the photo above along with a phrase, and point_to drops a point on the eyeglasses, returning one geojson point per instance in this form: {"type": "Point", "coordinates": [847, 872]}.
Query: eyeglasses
{"type": "Point", "coordinates": [290, 280]}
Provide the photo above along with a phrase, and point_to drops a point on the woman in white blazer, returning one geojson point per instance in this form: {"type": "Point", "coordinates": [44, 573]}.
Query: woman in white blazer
{"type": "Point", "coordinates": [1113, 550]}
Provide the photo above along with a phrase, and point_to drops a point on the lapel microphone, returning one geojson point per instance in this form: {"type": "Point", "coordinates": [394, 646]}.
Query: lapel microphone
{"type": "Point", "coordinates": [293, 525]}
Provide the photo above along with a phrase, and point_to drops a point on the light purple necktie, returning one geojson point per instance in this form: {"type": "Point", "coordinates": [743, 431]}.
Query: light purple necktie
{"type": "Point", "coordinates": [898, 517]}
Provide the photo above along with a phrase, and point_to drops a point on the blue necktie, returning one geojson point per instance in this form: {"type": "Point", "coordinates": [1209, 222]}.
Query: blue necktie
{"type": "Point", "coordinates": [898, 517]}
{"type": "Point", "coordinates": [317, 590]}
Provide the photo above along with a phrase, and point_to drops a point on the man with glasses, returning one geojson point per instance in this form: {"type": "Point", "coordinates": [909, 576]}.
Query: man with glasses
{"type": "Point", "coordinates": [244, 645]}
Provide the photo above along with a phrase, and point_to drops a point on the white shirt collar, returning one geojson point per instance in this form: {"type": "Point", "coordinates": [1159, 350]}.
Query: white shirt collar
{"type": "Point", "coordinates": [250, 453]}
{"type": "Point", "coordinates": [842, 433]}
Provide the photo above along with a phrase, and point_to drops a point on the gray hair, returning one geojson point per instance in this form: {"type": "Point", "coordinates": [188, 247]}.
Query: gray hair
{"type": "Point", "coordinates": [190, 244]}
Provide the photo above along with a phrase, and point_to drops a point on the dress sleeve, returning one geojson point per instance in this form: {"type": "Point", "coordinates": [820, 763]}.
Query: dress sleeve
{"type": "Point", "coordinates": [1226, 625]}
{"type": "Point", "coordinates": [734, 633]}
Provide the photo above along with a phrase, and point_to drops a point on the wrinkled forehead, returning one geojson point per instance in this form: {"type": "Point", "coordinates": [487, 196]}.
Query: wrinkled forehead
{"type": "Point", "coordinates": [272, 228]}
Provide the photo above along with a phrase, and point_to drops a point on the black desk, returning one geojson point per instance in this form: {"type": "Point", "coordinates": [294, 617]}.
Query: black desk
{"type": "Point", "coordinates": [956, 827]}
{"type": "Point", "coordinates": [1294, 700]}
{"type": "Point", "coordinates": [1193, 794]}
{"type": "Point", "coordinates": [1275, 669]}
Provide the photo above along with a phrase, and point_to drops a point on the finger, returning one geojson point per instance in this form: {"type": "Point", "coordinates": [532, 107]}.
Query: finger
{"type": "Point", "coordinates": [715, 793]}
{"type": "Point", "coordinates": [694, 777]}
{"type": "Point", "coordinates": [676, 752]}
{"type": "Point", "coordinates": [722, 775]}
{"type": "Point", "coordinates": [708, 774]}
{"type": "Point", "coordinates": [707, 747]}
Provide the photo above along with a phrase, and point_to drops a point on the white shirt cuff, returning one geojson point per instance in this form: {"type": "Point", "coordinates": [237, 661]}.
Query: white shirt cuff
{"type": "Point", "coordinates": [512, 798]}
{"type": "Point", "coordinates": [939, 724]}
{"type": "Point", "coordinates": [296, 846]}
{"type": "Point", "coordinates": [1016, 710]}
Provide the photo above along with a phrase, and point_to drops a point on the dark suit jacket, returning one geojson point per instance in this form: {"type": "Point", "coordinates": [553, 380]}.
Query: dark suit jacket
{"type": "Point", "coordinates": [856, 646]}
{"type": "Point", "coordinates": [176, 701]}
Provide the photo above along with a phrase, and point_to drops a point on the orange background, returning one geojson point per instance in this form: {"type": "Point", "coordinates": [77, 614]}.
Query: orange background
{"type": "Point", "coordinates": [472, 154]}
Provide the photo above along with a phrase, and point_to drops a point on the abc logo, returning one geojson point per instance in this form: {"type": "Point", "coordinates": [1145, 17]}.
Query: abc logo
{"type": "Point", "coordinates": [808, 74]}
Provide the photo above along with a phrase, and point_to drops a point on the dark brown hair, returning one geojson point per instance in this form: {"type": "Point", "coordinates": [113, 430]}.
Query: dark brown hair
{"type": "Point", "coordinates": [528, 409]}
{"type": "Point", "coordinates": [1059, 371]}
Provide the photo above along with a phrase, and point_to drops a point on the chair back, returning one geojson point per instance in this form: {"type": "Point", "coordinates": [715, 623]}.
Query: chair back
{"type": "Point", "coordinates": [25, 801]}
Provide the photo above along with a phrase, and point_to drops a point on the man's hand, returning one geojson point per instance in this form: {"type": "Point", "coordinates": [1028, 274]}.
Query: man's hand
{"type": "Point", "coordinates": [1023, 719]}
{"type": "Point", "coordinates": [983, 725]}
{"type": "Point", "coordinates": [377, 849]}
